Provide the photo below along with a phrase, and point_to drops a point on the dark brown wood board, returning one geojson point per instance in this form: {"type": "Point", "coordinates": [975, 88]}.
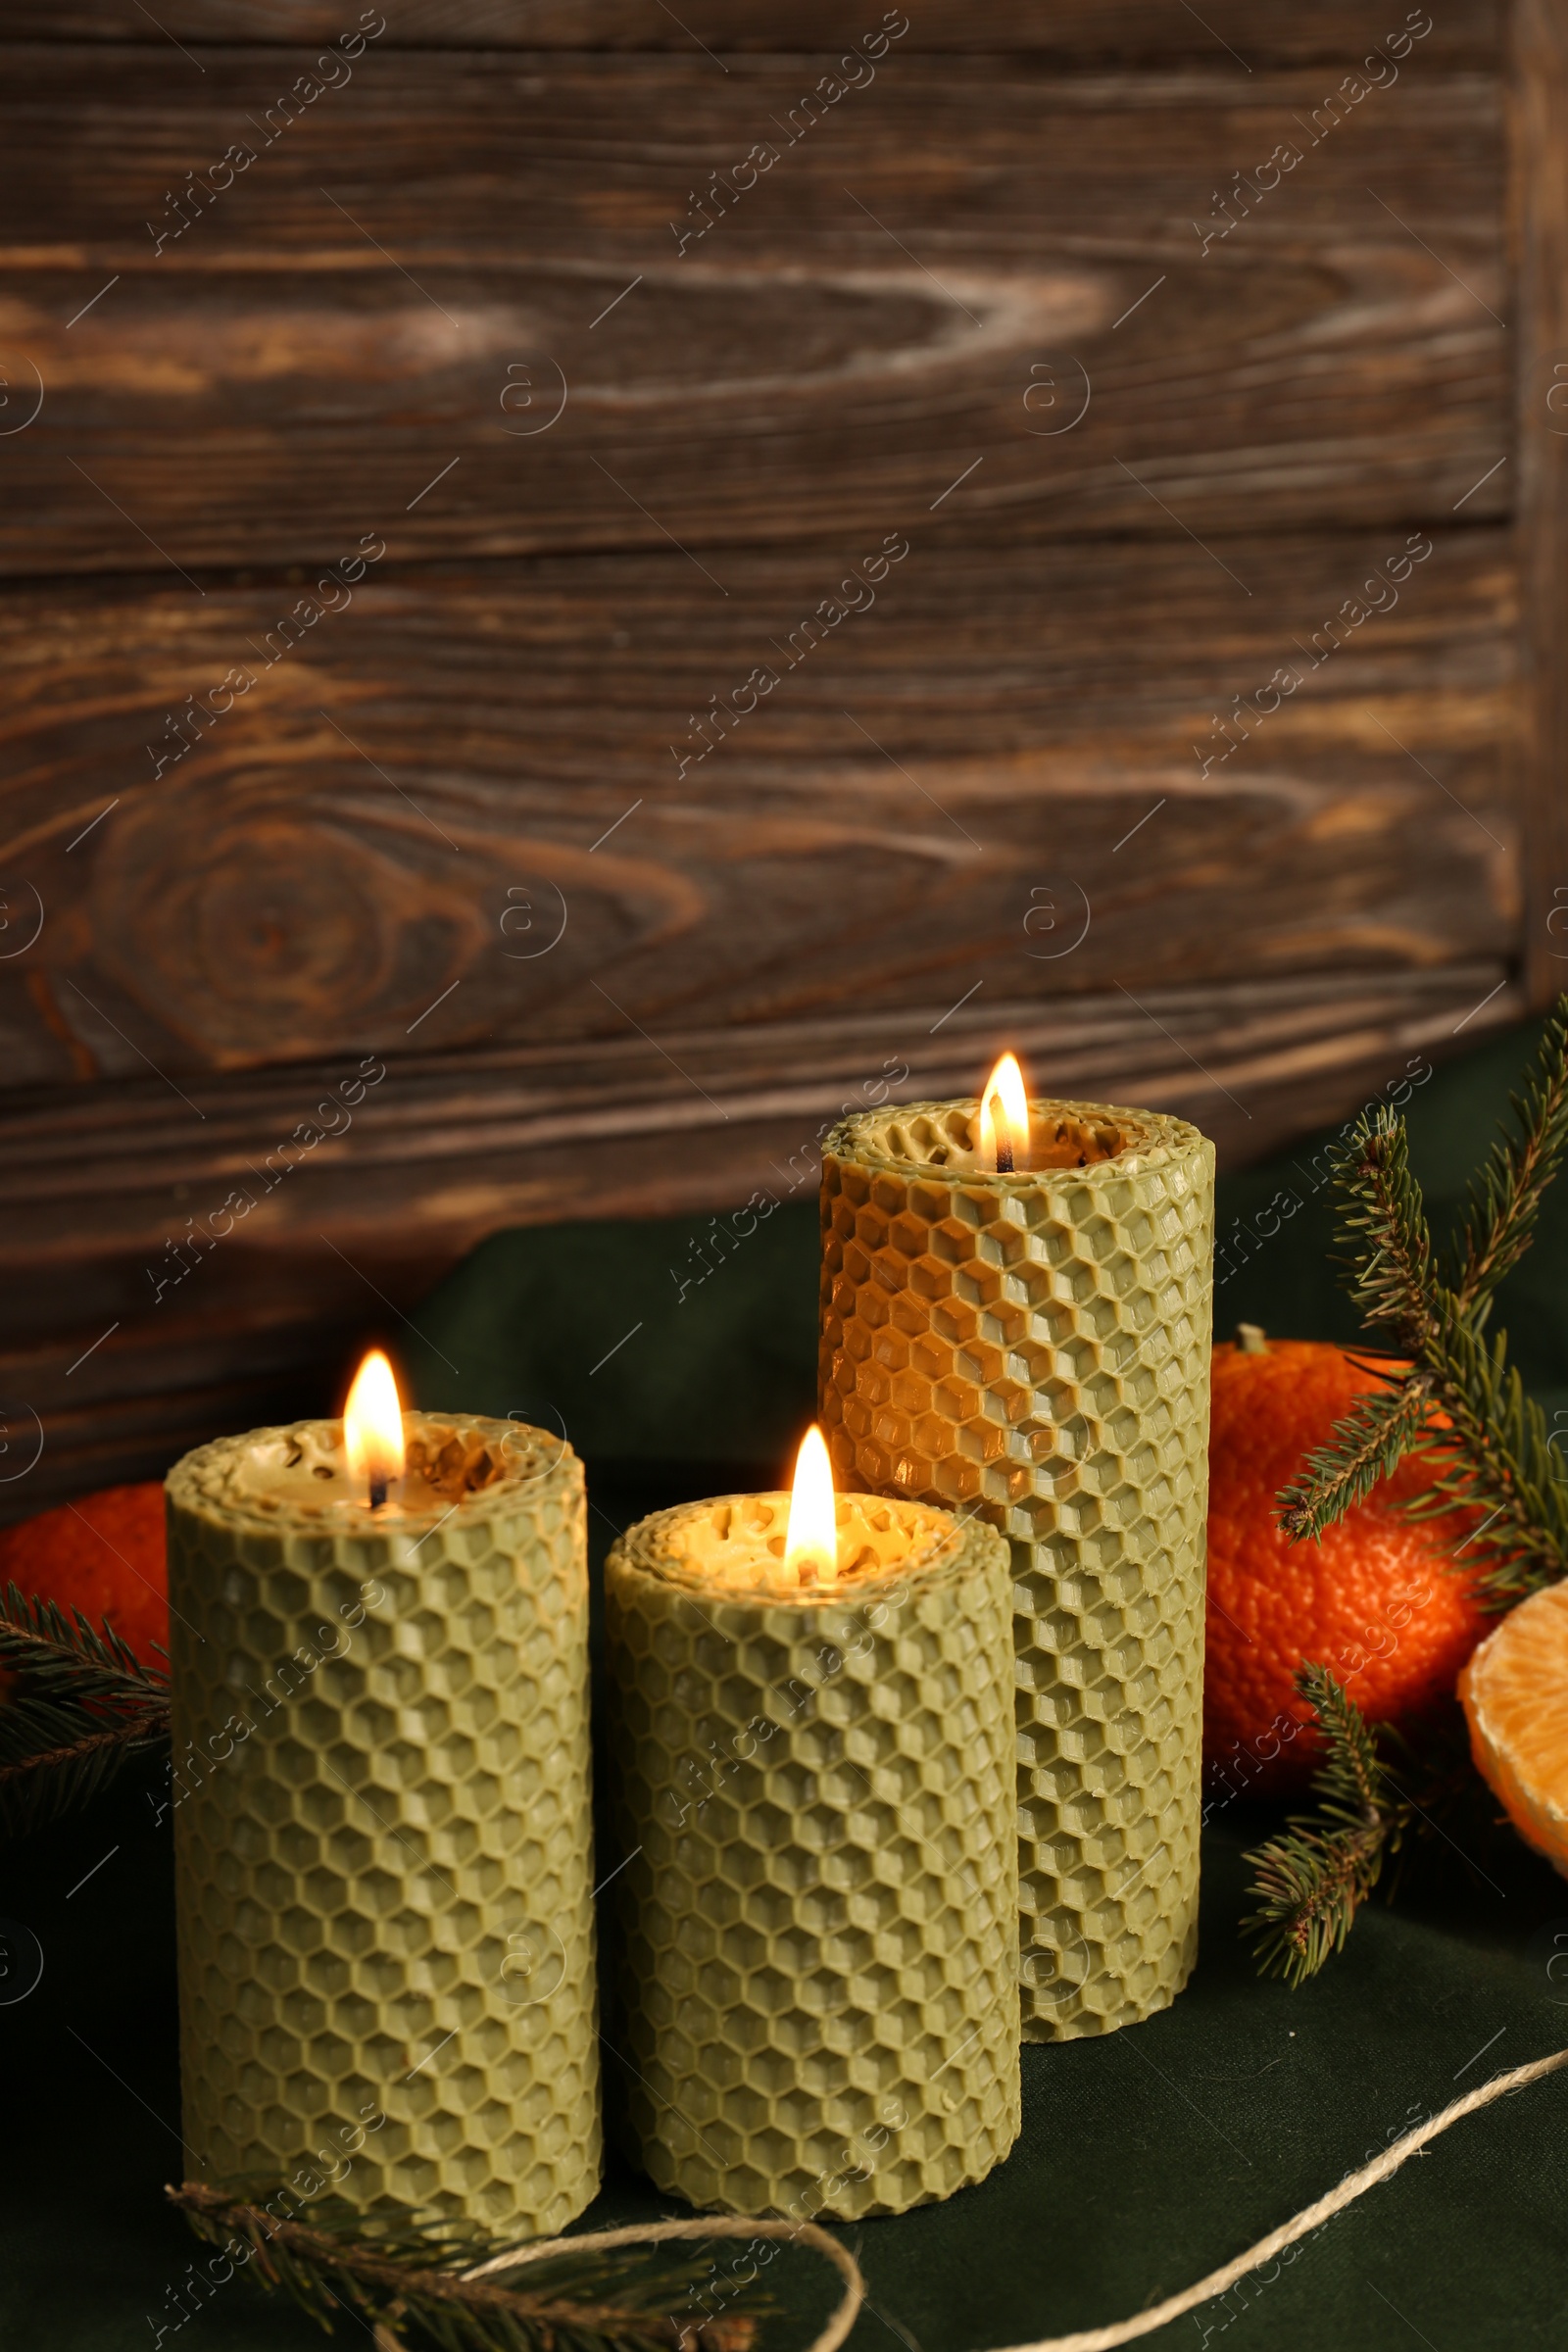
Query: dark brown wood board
{"type": "Point", "coordinates": [1078, 32]}
{"type": "Point", "coordinates": [470, 270]}
{"type": "Point", "coordinates": [148, 1308]}
{"type": "Point", "coordinates": [1538, 93]}
{"type": "Point", "coordinates": [465, 787]}
{"type": "Point", "coordinates": [450, 620]}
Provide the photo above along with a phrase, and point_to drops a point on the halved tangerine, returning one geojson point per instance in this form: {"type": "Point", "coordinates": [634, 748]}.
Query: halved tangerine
{"type": "Point", "coordinates": [1515, 1694]}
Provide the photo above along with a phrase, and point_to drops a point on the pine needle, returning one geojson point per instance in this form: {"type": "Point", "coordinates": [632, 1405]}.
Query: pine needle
{"type": "Point", "coordinates": [1384, 1230]}
{"type": "Point", "coordinates": [82, 1706]}
{"type": "Point", "coordinates": [1314, 1877]}
{"type": "Point", "coordinates": [1495, 1458]}
{"type": "Point", "coordinates": [1462, 1402]}
{"type": "Point", "coordinates": [404, 2272]}
{"type": "Point", "coordinates": [1505, 1194]}
{"type": "Point", "coordinates": [1489, 1452]}
{"type": "Point", "coordinates": [1372, 1440]}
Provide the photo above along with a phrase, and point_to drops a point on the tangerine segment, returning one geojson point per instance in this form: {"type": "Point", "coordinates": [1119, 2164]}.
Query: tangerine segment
{"type": "Point", "coordinates": [1515, 1696]}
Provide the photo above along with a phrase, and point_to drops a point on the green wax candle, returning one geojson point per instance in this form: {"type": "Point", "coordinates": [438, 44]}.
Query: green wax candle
{"type": "Point", "coordinates": [818, 2007]}
{"type": "Point", "coordinates": [1034, 1345]}
{"type": "Point", "coordinates": [382, 1842]}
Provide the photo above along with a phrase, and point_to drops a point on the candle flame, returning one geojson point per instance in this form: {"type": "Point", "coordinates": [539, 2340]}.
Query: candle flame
{"type": "Point", "coordinates": [812, 1540]}
{"type": "Point", "coordinates": [1005, 1118]}
{"type": "Point", "coordinates": [372, 1427]}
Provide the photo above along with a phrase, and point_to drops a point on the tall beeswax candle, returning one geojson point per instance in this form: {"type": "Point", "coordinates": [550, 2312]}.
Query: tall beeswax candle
{"type": "Point", "coordinates": [1032, 1342]}
{"type": "Point", "coordinates": [818, 2002]}
{"type": "Point", "coordinates": [382, 1847]}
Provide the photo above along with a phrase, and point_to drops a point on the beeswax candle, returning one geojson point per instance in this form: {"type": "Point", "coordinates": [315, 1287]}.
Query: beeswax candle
{"type": "Point", "coordinates": [813, 1756]}
{"type": "Point", "coordinates": [382, 1844]}
{"type": "Point", "coordinates": [1031, 1342]}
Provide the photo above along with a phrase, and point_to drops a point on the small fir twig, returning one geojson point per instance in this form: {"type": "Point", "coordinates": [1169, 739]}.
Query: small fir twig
{"type": "Point", "coordinates": [1495, 1457]}
{"type": "Point", "coordinates": [1388, 1264]}
{"type": "Point", "coordinates": [1384, 1231]}
{"type": "Point", "coordinates": [83, 1706]}
{"type": "Point", "coordinates": [1314, 1877]}
{"type": "Point", "coordinates": [1372, 1440]}
{"type": "Point", "coordinates": [401, 2273]}
{"type": "Point", "coordinates": [1459, 1400]}
{"type": "Point", "coordinates": [1504, 1196]}
{"type": "Point", "coordinates": [1379, 1794]}
{"type": "Point", "coordinates": [1463, 1404]}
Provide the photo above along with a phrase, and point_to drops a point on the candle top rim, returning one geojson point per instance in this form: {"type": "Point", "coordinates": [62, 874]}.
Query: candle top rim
{"type": "Point", "coordinates": [753, 1526]}
{"type": "Point", "coordinates": [1124, 1141]}
{"type": "Point", "coordinates": [294, 1474]}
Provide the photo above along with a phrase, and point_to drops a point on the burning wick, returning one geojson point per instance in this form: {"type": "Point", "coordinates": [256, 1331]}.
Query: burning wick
{"type": "Point", "coordinates": [811, 1538]}
{"type": "Point", "coordinates": [1005, 1119]}
{"type": "Point", "coordinates": [373, 1427]}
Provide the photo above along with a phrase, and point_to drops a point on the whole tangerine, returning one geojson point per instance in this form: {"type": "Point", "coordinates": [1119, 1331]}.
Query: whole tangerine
{"type": "Point", "coordinates": [1377, 1599]}
{"type": "Point", "coordinates": [102, 1554]}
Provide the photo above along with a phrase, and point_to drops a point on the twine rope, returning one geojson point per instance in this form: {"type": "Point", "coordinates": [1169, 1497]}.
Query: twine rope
{"type": "Point", "coordinates": [649, 2234]}
{"type": "Point", "coordinates": [1088, 2339]}
{"type": "Point", "coordinates": [1355, 2184]}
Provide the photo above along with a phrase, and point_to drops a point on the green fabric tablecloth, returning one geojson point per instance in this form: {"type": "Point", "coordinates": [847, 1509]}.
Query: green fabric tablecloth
{"type": "Point", "coordinates": [1147, 2158]}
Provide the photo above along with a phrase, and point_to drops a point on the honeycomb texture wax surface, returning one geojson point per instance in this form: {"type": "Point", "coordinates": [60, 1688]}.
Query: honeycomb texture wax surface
{"type": "Point", "coordinates": [1035, 1346]}
{"type": "Point", "coordinates": [815, 1975]}
{"type": "Point", "coordinates": [382, 1844]}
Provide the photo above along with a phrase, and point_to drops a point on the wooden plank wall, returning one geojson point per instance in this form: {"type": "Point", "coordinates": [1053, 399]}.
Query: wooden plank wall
{"type": "Point", "coordinates": [498, 589]}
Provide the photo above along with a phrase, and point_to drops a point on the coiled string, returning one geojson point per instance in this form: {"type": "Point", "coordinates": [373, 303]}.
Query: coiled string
{"type": "Point", "coordinates": [1086, 2339]}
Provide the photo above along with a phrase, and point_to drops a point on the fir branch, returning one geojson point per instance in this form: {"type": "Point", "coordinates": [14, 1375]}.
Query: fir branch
{"type": "Point", "coordinates": [1489, 1443]}
{"type": "Point", "coordinates": [399, 2272]}
{"type": "Point", "coordinates": [70, 1655]}
{"type": "Point", "coordinates": [1314, 1877]}
{"type": "Point", "coordinates": [1386, 1259]}
{"type": "Point", "coordinates": [1495, 1456]}
{"type": "Point", "coordinates": [1504, 1198]}
{"type": "Point", "coordinates": [1348, 1778]}
{"type": "Point", "coordinates": [1489, 1451]}
{"type": "Point", "coordinates": [1383, 1227]}
{"type": "Point", "coordinates": [1310, 1884]}
{"type": "Point", "coordinates": [1367, 1444]}
{"type": "Point", "coordinates": [83, 1704]}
